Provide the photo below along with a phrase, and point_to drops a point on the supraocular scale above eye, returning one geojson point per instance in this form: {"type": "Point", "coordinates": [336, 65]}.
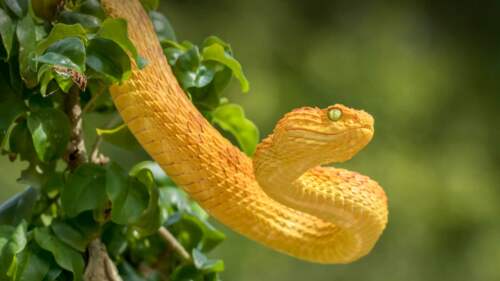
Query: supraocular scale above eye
{"type": "Point", "coordinates": [334, 114]}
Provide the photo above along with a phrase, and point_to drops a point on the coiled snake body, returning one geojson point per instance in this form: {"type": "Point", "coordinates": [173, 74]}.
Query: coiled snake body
{"type": "Point", "coordinates": [282, 198]}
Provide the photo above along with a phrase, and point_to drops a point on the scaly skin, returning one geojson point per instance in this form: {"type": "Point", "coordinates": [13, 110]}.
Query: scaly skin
{"type": "Point", "coordinates": [283, 199]}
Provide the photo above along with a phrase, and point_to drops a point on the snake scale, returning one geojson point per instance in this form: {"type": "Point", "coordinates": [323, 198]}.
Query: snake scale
{"type": "Point", "coordinates": [283, 197]}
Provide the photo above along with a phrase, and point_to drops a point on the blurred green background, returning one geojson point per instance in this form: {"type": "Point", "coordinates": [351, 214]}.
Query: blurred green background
{"type": "Point", "coordinates": [428, 71]}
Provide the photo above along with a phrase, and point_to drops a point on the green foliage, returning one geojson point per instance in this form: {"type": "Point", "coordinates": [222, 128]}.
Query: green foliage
{"type": "Point", "coordinates": [46, 56]}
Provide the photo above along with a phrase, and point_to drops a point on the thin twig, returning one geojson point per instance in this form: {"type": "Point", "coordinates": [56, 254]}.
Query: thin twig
{"type": "Point", "coordinates": [95, 155]}
{"type": "Point", "coordinates": [174, 244]}
{"type": "Point", "coordinates": [90, 104]}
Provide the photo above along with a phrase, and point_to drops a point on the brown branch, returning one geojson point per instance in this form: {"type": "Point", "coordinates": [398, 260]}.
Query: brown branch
{"type": "Point", "coordinates": [99, 266]}
{"type": "Point", "coordinates": [76, 153]}
{"type": "Point", "coordinates": [174, 244]}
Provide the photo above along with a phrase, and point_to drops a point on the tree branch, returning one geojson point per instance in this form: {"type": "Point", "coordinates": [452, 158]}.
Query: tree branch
{"type": "Point", "coordinates": [76, 153]}
{"type": "Point", "coordinates": [99, 266]}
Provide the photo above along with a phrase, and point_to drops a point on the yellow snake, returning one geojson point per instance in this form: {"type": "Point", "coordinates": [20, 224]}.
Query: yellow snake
{"type": "Point", "coordinates": [282, 197]}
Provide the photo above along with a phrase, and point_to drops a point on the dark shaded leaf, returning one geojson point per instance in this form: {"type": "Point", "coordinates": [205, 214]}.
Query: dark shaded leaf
{"type": "Point", "coordinates": [11, 107]}
{"type": "Point", "coordinates": [7, 32]}
{"type": "Point", "coordinates": [129, 197]}
{"type": "Point", "coordinates": [12, 241]}
{"type": "Point", "coordinates": [162, 26]}
{"type": "Point", "coordinates": [59, 32]}
{"type": "Point", "coordinates": [18, 7]}
{"type": "Point", "coordinates": [107, 58]}
{"type": "Point", "coordinates": [92, 7]}
{"type": "Point", "coordinates": [64, 255]}
{"type": "Point", "coordinates": [33, 264]}
{"type": "Point", "coordinates": [19, 207]}
{"type": "Point", "coordinates": [89, 22]}
{"type": "Point", "coordinates": [20, 141]}
{"type": "Point", "coordinates": [116, 30]}
{"type": "Point", "coordinates": [70, 48]}
{"type": "Point", "coordinates": [50, 131]}
{"type": "Point", "coordinates": [26, 35]}
{"type": "Point", "coordinates": [77, 232]}
{"type": "Point", "coordinates": [85, 190]}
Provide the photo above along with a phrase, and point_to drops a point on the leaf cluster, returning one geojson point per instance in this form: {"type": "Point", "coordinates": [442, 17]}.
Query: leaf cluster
{"type": "Point", "coordinates": [52, 49]}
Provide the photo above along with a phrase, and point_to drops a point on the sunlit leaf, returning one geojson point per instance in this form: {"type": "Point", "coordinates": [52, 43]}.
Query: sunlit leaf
{"type": "Point", "coordinates": [216, 52]}
{"type": "Point", "coordinates": [120, 136]}
{"type": "Point", "coordinates": [231, 118]}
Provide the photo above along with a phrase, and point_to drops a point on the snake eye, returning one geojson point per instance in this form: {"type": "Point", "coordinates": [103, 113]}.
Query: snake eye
{"type": "Point", "coordinates": [334, 114]}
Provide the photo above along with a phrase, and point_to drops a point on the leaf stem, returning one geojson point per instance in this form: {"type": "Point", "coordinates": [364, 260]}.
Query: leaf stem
{"type": "Point", "coordinates": [174, 244]}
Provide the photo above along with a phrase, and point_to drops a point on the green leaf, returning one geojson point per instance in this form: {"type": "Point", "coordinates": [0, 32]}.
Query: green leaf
{"type": "Point", "coordinates": [161, 178]}
{"type": "Point", "coordinates": [18, 7]}
{"type": "Point", "coordinates": [205, 264]}
{"type": "Point", "coordinates": [89, 22]}
{"type": "Point", "coordinates": [107, 58]}
{"type": "Point", "coordinates": [50, 130]}
{"type": "Point", "coordinates": [92, 7]}
{"type": "Point", "coordinates": [58, 59]}
{"type": "Point", "coordinates": [12, 241]}
{"type": "Point", "coordinates": [33, 264]}
{"type": "Point", "coordinates": [162, 26]}
{"type": "Point", "coordinates": [231, 118]}
{"type": "Point", "coordinates": [115, 238]}
{"type": "Point", "coordinates": [19, 207]}
{"type": "Point", "coordinates": [211, 40]}
{"type": "Point", "coordinates": [68, 52]}
{"type": "Point", "coordinates": [26, 35]}
{"type": "Point", "coordinates": [45, 9]}
{"type": "Point", "coordinates": [7, 31]}
{"type": "Point", "coordinates": [128, 273]}
{"type": "Point", "coordinates": [64, 255]}
{"type": "Point", "coordinates": [20, 141]}
{"type": "Point", "coordinates": [194, 232]}
{"type": "Point", "coordinates": [77, 232]}
{"type": "Point", "coordinates": [150, 4]}
{"type": "Point", "coordinates": [85, 190]}
{"type": "Point", "coordinates": [154, 216]}
{"type": "Point", "coordinates": [120, 136]}
{"type": "Point", "coordinates": [59, 32]}
{"type": "Point", "coordinates": [116, 30]}
{"type": "Point", "coordinates": [187, 272]}
{"type": "Point", "coordinates": [216, 52]}
{"type": "Point", "coordinates": [11, 107]}
{"type": "Point", "coordinates": [129, 197]}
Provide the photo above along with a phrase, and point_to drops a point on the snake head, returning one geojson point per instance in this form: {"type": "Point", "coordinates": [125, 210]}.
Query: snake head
{"type": "Point", "coordinates": [334, 134]}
